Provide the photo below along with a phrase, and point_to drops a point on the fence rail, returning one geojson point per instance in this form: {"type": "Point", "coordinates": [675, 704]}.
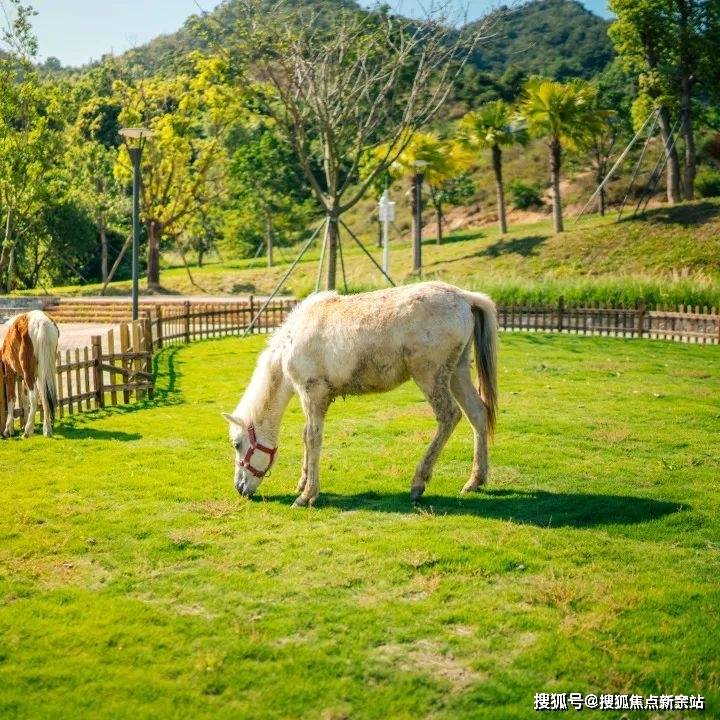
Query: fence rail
{"type": "Point", "coordinates": [117, 368]}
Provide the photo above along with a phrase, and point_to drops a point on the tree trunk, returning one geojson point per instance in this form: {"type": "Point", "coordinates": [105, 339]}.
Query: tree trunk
{"type": "Point", "coordinates": [103, 249]}
{"type": "Point", "coordinates": [6, 246]}
{"type": "Point", "coordinates": [200, 256]}
{"type": "Point", "coordinates": [500, 190]}
{"type": "Point", "coordinates": [153, 263]}
{"type": "Point", "coordinates": [333, 239]}
{"type": "Point", "coordinates": [10, 282]}
{"type": "Point", "coordinates": [555, 165]}
{"type": "Point", "coordinates": [269, 239]}
{"type": "Point", "coordinates": [439, 220]}
{"type": "Point", "coordinates": [689, 136]}
{"type": "Point", "coordinates": [673, 163]}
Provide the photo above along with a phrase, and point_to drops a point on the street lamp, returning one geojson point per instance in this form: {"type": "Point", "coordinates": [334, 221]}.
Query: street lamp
{"type": "Point", "coordinates": [419, 165]}
{"type": "Point", "coordinates": [386, 215]}
{"type": "Point", "coordinates": [135, 139]}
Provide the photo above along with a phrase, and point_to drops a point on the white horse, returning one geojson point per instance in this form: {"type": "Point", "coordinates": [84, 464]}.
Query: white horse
{"type": "Point", "coordinates": [332, 345]}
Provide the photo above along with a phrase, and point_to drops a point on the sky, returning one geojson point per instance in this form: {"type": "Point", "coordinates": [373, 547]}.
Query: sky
{"type": "Point", "coordinates": [77, 31]}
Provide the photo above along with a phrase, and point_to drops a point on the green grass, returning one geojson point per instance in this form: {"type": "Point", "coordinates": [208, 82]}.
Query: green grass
{"type": "Point", "coordinates": [135, 583]}
{"type": "Point", "coordinates": [671, 257]}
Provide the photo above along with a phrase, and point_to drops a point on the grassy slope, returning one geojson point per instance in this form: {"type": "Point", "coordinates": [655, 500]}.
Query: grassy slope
{"type": "Point", "coordinates": [604, 260]}
{"type": "Point", "coordinates": [134, 583]}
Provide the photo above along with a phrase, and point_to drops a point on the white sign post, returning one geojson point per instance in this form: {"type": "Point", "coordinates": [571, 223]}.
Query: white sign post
{"type": "Point", "coordinates": [386, 214]}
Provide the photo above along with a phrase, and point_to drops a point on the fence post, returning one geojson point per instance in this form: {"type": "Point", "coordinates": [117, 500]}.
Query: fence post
{"type": "Point", "coordinates": [187, 321]}
{"type": "Point", "coordinates": [252, 314]}
{"type": "Point", "coordinates": [159, 325]}
{"type": "Point", "coordinates": [561, 309]}
{"type": "Point", "coordinates": [149, 350]}
{"type": "Point", "coordinates": [96, 342]}
{"type": "Point", "coordinates": [640, 315]}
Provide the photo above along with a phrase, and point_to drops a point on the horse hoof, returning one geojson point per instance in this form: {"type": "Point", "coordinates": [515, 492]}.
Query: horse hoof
{"type": "Point", "coordinates": [472, 487]}
{"type": "Point", "coordinates": [416, 493]}
{"type": "Point", "coordinates": [302, 501]}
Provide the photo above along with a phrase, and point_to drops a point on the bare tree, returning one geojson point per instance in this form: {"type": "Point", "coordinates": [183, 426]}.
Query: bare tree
{"type": "Point", "coordinates": [343, 82]}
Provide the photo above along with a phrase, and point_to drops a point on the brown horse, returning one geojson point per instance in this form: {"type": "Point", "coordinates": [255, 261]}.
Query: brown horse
{"type": "Point", "coordinates": [29, 351]}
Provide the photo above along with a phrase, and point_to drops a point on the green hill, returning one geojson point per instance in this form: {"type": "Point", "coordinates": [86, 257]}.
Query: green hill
{"type": "Point", "coordinates": [559, 38]}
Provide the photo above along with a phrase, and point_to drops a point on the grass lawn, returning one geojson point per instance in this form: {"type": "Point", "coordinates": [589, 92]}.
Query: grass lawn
{"type": "Point", "coordinates": [596, 260]}
{"type": "Point", "coordinates": [135, 583]}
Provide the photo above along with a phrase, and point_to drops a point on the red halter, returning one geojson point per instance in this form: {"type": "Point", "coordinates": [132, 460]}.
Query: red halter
{"type": "Point", "coordinates": [254, 447]}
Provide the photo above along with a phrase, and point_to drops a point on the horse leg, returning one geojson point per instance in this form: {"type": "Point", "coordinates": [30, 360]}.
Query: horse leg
{"type": "Point", "coordinates": [10, 394]}
{"type": "Point", "coordinates": [315, 403]}
{"type": "Point", "coordinates": [30, 410]}
{"type": "Point", "coordinates": [469, 399]}
{"type": "Point", "coordinates": [47, 414]}
{"type": "Point", "coordinates": [303, 475]}
{"type": "Point", "coordinates": [447, 413]}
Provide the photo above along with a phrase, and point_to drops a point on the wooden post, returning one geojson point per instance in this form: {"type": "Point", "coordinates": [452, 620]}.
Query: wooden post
{"type": "Point", "coordinates": [149, 351]}
{"type": "Point", "coordinates": [252, 314]}
{"type": "Point", "coordinates": [640, 317]}
{"type": "Point", "coordinates": [124, 345]}
{"type": "Point", "coordinates": [113, 376]}
{"type": "Point", "coordinates": [187, 321]}
{"type": "Point", "coordinates": [561, 310]}
{"type": "Point", "coordinates": [159, 326]}
{"type": "Point", "coordinates": [98, 385]}
{"type": "Point", "coordinates": [137, 362]}
{"type": "Point", "coordinates": [61, 405]}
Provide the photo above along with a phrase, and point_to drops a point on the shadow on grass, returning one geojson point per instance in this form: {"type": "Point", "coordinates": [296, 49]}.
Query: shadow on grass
{"type": "Point", "coordinates": [88, 433]}
{"type": "Point", "coordinates": [76, 427]}
{"type": "Point", "coordinates": [544, 509]}
{"type": "Point", "coordinates": [693, 214]}
{"type": "Point", "coordinates": [524, 246]}
{"type": "Point", "coordinates": [455, 237]}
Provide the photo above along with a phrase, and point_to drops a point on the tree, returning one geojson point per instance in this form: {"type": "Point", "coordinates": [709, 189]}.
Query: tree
{"type": "Point", "coordinates": [30, 123]}
{"type": "Point", "coordinates": [567, 116]}
{"type": "Point", "coordinates": [267, 184]}
{"type": "Point", "coordinates": [348, 81]}
{"type": "Point", "coordinates": [445, 162]}
{"type": "Point", "coordinates": [672, 45]}
{"type": "Point", "coordinates": [183, 164]}
{"type": "Point", "coordinates": [491, 127]}
{"type": "Point", "coordinates": [614, 90]}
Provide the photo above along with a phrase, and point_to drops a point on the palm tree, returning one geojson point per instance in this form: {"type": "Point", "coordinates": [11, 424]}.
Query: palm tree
{"type": "Point", "coordinates": [445, 161]}
{"type": "Point", "coordinates": [567, 116]}
{"type": "Point", "coordinates": [491, 127]}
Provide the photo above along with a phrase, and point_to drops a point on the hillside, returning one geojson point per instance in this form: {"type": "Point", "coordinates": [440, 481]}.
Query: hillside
{"type": "Point", "coordinates": [672, 256]}
{"type": "Point", "coordinates": [559, 38]}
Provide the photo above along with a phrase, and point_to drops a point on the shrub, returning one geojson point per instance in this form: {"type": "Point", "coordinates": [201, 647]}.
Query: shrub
{"type": "Point", "coordinates": [524, 196]}
{"type": "Point", "coordinates": [707, 182]}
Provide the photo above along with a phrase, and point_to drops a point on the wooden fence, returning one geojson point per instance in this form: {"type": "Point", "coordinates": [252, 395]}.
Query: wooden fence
{"type": "Point", "coordinates": [682, 324]}
{"type": "Point", "coordinates": [117, 369]}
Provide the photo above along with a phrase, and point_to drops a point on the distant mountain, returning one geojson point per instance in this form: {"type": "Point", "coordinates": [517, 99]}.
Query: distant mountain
{"type": "Point", "coordinates": [556, 38]}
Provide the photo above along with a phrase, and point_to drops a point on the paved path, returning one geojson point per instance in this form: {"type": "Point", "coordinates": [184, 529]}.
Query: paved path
{"type": "Point", "coordinates": [73, 335]}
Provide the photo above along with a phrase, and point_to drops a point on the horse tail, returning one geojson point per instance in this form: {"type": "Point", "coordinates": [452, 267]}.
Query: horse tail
{"type": "Point", "coordinates": [44, 335]}
{"type": "Point", "coordinates": [485, 339]}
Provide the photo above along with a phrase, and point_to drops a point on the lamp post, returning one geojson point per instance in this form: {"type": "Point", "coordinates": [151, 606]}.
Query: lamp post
{"type": "Point", "coordinates": [417, 214]}
{"type": "Point", "coordinates": [135, 140]}
{"type": "Point", "coordinates": [386, 215]}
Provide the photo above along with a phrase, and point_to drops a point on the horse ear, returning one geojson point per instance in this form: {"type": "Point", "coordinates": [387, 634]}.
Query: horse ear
{"type": "Point", "coordinates": [233, 420]}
